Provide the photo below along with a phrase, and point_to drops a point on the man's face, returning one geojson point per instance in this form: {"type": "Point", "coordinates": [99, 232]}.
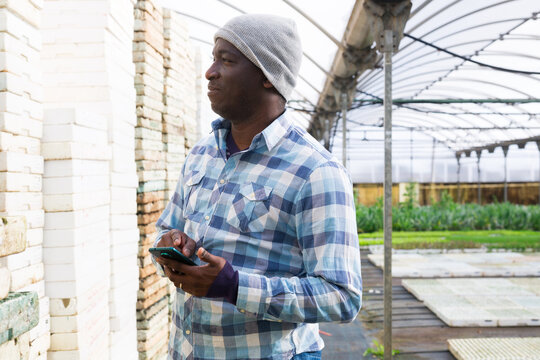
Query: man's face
{"type": "Point", "coordinates": [235, 83]}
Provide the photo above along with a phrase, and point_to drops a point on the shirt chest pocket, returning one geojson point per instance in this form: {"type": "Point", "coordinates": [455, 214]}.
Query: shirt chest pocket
{"type": "Point", "coordinates": [250, 208]}
{"type": "Point", "coordinates": [196, 197]}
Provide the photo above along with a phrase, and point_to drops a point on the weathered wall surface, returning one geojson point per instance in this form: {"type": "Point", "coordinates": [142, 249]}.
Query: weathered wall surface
{"type": "Point", "coordinates": [97, 113]}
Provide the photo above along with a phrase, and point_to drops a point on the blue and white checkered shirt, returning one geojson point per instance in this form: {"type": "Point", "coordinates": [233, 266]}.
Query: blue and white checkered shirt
{"type": "Point", "coordinates": [282, 213]}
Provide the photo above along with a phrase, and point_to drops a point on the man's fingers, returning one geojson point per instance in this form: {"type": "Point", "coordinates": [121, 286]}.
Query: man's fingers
{"type": "Point", "coordinates": [189, 247]}
{"type": "Point", "coordinates": [207, 257]}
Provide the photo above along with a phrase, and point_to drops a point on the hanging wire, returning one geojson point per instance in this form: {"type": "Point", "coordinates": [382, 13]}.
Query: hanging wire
{"type": "Point", "coordinates": [469, 59]}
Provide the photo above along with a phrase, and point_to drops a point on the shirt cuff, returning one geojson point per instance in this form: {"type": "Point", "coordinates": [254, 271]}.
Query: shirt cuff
{"type": "Point", "coordinates": [225, 285]}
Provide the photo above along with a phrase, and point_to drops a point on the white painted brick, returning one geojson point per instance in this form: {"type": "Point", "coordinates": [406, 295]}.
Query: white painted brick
{"type": "Point", "coordinates": [75, 185]}
{"type": "Point", "coordinates": [76, 219]}
{"type": "Point", "coordinates": [124, 180]}
{"type": "Point", "coordinates": [127, 280]}
{"type": "Point", "coordinates": [88, 252]}
{"type": "Point", "coordinates": [20, 125]}
{"type": "Point", "coordinates": [25, 9]}
{"type": "Point", "coordinates": [38, 288]}
{"type": "Point", "coordinates": [60, 36]}
{"type": "Point", "coordinates": [73, 202]}
{"type": "Point", "coordinates": [123, 207]}
{"type": "Point", "coordinates": [20, 201]}
{"type": "Point", "coordinates": [68, 151]}
{"type": "Point", "coordinates": [39, 346]}
{"type": "Point", "coordinates": [11, 82]}
{"type": "Point", "coordinates": [155, 145]}
{"type": "Point", "coordinates": [76, 305]}
{"type": "Point", "coordinates": [34, 218]}
{"type": "Point", "coordinates": [11, 102]}
{"type": "Point", "coordinates": [56, 168]}
{"type": "Point", "coordinates": [75, 116]}
{"type": "Point", "coordinates": [123, 138]}
{"type": "Point", "coordinates": [34, 237]}
{"type": "Point", "coordinates": [151, 175]}
{"type": "Point", "coordinates": [23, 163]}
{"type": "Point", "coordinates": [76, 79]}
{"type": "Point", "coordinates": [23, 31]}
{"type": "Point", "coordinates": [80, 65]}
{"type": "Point", "coordinates": [18, 143]}
{"type": "Point", "coordinates": [125, 236]}
{"type": "Point", "coordinates": [122, 221]}
{"type": "Point", "coordinates": [123, 159]}
{"type": "Point", "coordinates": [40, 330]}
{"type": "Point", "coordinates": [30, 256]}
{"type": "Point", "coordinates": [19, 182]}
{"type": "Point", "coordinates": [73, 94]}
{"type": "Point", "coordinates": [26, 276]}
{"type": "Point", "coordinates": [75, 237]}
{"type": "Point", "coordinates": [73, 133]}
{"type": "Point", "coordinates": [74, 19]}
{"type": "Point", "coordinates": [70, 289]}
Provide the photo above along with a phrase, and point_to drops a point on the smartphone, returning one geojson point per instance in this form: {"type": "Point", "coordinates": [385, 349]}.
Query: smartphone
{"type": "Point", "coordinates": [171, 253]}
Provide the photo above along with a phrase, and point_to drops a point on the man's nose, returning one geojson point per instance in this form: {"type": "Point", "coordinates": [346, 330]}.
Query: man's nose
{"type": "Point", "coordinates": [212, 72]}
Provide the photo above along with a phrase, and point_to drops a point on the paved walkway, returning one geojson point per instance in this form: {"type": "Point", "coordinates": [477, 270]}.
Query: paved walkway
{"type": "Point", "coordinates": [489, 264]}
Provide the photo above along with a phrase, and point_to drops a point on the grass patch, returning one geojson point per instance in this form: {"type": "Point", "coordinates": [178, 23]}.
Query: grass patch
{"type": "Point", "coordinates": [492, 239]}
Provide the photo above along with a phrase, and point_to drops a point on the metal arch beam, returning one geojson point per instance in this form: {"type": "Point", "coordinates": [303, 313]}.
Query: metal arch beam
{"type": "Point", "coordinates": [461, 17]}
{"type": "Point", "coordinates": [316, 24]}
{"type": "Point", "coordinates": [319, 66]}
{"type": "Point", "coordinates": [404, 55]}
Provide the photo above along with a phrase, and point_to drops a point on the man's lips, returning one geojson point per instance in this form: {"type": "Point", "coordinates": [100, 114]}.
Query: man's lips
{"type": "Point", "coordinates": [212, 90]}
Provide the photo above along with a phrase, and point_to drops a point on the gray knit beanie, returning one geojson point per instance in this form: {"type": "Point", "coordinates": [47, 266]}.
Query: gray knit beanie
{"type": "Point", "coordinates": [271, 43]}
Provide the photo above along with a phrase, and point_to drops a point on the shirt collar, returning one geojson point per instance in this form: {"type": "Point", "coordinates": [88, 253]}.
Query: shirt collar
{"type": "Point", "coordinates": [270, 136]}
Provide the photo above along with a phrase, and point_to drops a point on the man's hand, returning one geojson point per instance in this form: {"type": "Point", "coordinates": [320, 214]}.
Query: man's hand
{"type": "Point", "coordinates": [179, 240]}
{"type": "Point", "coordinates": [195, 280]}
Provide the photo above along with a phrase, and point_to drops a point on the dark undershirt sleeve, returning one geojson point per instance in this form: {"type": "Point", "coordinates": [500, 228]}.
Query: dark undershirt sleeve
{"type": "Point", "coordinates": [225, 285]}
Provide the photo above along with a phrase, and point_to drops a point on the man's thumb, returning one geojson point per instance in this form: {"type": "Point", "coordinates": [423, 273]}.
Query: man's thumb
{"type": "Point", "coordinates": [205, 256]}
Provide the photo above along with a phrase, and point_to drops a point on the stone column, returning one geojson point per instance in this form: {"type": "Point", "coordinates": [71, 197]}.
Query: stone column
{"type": "Point", "coordinates": [88, 71]}
{"type": "Point", "coordinates": [21, 165]}
{"type": "Point", "coordinates": [148, 51]}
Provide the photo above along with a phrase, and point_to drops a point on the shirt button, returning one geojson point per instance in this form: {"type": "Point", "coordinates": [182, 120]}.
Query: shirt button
{"type": "Point", "coordinates": [188, 332]}
{"type": "Point", "coordinates": [222, 181]}
{"type": "Point", "coordinates": [207, 217]}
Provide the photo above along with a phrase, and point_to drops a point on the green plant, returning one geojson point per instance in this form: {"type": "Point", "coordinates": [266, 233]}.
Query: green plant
{"type": "Point", "coordinates": [378, 350]}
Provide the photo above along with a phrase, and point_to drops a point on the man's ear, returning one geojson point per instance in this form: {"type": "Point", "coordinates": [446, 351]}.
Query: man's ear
{"type": "Point", "coordinates": [267, 84]}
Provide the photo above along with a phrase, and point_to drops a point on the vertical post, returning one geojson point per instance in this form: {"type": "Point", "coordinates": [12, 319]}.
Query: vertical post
{"type": "Point", "coordinates": [505, 152]}
{"type": "Point", "coordinates": [458, 158]}
{"type": "Point", "coordinates": [479, 195]}
{"type": "Point", "coordinates": [388, 47]}
{"type": "Point", "coordinates": [344, 106]}
{"type": "Point", "coordinates": [431, 187]}
{"type": "Point", "coordinates": [411, 158]}
{"type": "Point", "coordinates": [538, 145]}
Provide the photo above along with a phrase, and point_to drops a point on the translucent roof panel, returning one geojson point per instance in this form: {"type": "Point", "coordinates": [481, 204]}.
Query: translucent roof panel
{"type": "Point", "coordinates": [452, 99]}
{"type": "Point", "coordinates": [204, 17]}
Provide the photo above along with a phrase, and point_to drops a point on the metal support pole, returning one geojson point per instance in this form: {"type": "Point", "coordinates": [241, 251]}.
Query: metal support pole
{"type": "Point", "coordinates": [344, 106]}
{"type": "Point", "coordinates": [388, 48]}
{"type": "Point", "coordinates": [478, 154]}
{"type": "Point", "coordinates": [538, 145]}
{"type": "Point", "coordinates": [432, 185]}
{"type": "Point", "coordinates": [458, 158]}
{"type": "Point", "coordinates": [411, 159]}
{"type": "Point", "coordinates": [505, 152]}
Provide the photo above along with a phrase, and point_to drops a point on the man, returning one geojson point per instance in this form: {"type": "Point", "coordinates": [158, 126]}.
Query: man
{"type": "Point", "coordinates": [269, 210]}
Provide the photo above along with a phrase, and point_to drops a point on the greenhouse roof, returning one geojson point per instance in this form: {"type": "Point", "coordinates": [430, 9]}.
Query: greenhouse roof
{"type": "Point", "coordinates": [466, 76]}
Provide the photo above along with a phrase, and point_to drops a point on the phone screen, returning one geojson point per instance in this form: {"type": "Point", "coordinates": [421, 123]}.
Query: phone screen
{"type": "Point", "coordinates": [171, 253]}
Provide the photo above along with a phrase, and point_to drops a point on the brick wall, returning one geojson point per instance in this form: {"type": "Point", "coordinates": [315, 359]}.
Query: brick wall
{"type": "Point", "coordinates": [21, 164]}
{"type": "Point", "coordinates": [98, 111]}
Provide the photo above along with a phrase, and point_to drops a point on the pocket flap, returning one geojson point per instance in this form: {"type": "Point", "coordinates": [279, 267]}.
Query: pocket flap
{"type": "Point", "coordinates": [255, 191]}
{"type": "Point", "coordinates": [194, 178]}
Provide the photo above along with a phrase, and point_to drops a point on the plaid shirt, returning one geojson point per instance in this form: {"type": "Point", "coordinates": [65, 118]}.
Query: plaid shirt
{"type": "Point", "coordinates": [282, 213]}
